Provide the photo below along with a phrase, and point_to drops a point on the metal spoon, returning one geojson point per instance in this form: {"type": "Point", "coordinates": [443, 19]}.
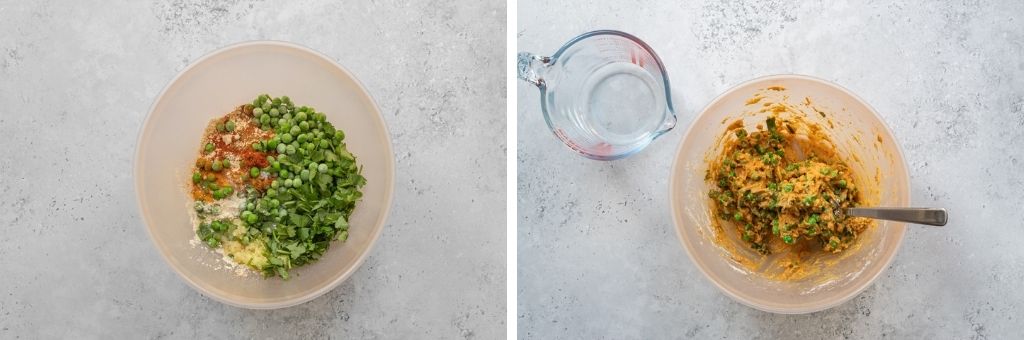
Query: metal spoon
{"type": "Point", "coordinates": [929, 216]}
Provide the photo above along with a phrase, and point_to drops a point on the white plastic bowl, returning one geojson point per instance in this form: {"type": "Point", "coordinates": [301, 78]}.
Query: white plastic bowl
{"type": "Point", "coordinates": [854, 272]}
{"type": "Point", "coordinates": [213, 86]}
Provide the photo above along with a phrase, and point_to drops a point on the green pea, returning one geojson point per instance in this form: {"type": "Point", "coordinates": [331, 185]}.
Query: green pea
{"type": "Point", "coordinates": [310, 146]}
{"type": "Point", "coordinates": [304, 126]}
{"type": "Point", "coordinates": [301, 116]}
{"type": "Point", "coordinates": [271, 192]}
{"type": "Point", "coordinates": [286, 100]}
{"type": "Point", "coordinates": [196, 177]}
{"type": "Point", "coordinates": [296, 182]}
{"type": "Point", "coordinates": [276, 101]}
{"type": "Point", "coordinates": [276, 165]}
{"type": "Point", "coordinates": [737, 216]}
{"type": "Point", "coordinates": [281, 148]}
{"type": "Point", "coordinates": [254, 172]}
{"type": "Point", "coordinates": [286, 138]}
{"type": "Point", "coordinates": [788, 239]}
{"type": "Point", "coordinates": [217, 165]}
{"type": "Point", "coordinates": [287, 116]}
{"type": "Point", "coordinates": [274, 113]}
{"type": "Point", "coordinates": [842, 183]}
{"type": "Point", "coordinates": [275, 184]}
{"type": "Point", "coordinates": [227, 164]}
{"type": "Point", "coordinates": [209, 147]}
{"type": "Point", "coordinates": [312, 166]}
{"type": "Point", "coordinates": [257, 112]}
{"type": "Point", "coordinates": [339, 135]}
{"type": "Point", "coordinates": [230, 126]}
{"type": "Point", "coordinates": [290, 150]}
{"type": "Point", "coordinates": [264, 119]}
{"type": "Point", "coordinates": [199, 206]}
{"type": "Point", "coordinates": [273, 143]}
{"type": "Point", "coordinates": [295, 130]}
{"type": "Point", "coordinates": [322, 168]}
{"type": "Point", "coordinates": [288, 182]}
{"type": "Point", "coordinates": [324, 144]}
{"type": "Point", "coordinates": [220, 127]}
{"type": "Point", "coordinates": [252, 218]}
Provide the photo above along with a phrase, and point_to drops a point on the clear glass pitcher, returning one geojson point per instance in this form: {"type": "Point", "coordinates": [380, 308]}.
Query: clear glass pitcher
{"type": "Point", "coordinates": [605, 94]}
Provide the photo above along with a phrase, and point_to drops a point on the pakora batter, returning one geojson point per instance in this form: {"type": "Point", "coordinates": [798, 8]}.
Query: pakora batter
{"type": "Point", "coordinates": [781, 189]}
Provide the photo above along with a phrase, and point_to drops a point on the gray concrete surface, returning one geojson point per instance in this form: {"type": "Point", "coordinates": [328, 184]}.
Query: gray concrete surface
{"type": "Point", "coordinates": [598, 255]}
{"type": "Point", "coordinates": [76, 80]}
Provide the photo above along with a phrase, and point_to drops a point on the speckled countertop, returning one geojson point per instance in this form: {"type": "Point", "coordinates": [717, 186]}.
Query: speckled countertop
{"type": "Point", "coordinates": [598, 254]}
{"type": "Point", "coordinates": [76, 80]}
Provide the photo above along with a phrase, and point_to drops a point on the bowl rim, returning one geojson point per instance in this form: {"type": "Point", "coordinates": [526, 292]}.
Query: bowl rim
{"type": "Point", "coordinates": [728, 290]}
{"type": "Point", "coordinates": [389, 172]}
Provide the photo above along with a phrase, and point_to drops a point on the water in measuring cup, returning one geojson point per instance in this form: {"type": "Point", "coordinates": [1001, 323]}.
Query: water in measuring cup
{"type": "Point", "coordinates": [621, 104]}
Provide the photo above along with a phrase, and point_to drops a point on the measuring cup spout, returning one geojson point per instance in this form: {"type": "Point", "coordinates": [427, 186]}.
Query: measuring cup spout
{"type": "Point", "coordinates": [668, 124]}
{"type": "Point", "coordinates": [531, 68]}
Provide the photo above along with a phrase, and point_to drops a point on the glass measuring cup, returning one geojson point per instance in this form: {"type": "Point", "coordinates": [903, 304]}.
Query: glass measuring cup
{"type": "Point", "coordinates": [605, 94]}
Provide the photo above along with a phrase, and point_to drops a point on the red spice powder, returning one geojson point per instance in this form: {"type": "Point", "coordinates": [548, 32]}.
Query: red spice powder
{"type": "Point", "coordinates": [237, 147]}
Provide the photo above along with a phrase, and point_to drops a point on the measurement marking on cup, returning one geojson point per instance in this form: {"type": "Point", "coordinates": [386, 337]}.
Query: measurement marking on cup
{"type": "Point", "coordinates": [572, 145]}
{"type": "Point", "coordinates": [600, 149]}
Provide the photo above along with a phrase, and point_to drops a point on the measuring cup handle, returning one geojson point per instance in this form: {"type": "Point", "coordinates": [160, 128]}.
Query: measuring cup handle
{"type": "Point", "coordinates": [531, 67]}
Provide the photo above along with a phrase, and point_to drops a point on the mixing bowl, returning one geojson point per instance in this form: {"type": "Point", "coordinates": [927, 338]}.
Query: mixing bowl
{"type": "Point", "coordinates": [879, 168]}
{"type": "Point", "coordinates": [212, 86]}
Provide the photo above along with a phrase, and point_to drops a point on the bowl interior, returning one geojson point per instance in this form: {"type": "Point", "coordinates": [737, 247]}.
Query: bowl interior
{"type": "Point", "coordinates": [210, 88]}
{"type": "Point", "coordinates": [880, 170]}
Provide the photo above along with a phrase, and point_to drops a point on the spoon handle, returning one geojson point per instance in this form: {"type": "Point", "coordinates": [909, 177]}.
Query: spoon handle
{"type": "Point", "coordinates": [929, 216]}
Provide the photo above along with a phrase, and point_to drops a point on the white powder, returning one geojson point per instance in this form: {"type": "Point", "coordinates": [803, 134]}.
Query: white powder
{"type": "Point", "coordinates": [229, 209]}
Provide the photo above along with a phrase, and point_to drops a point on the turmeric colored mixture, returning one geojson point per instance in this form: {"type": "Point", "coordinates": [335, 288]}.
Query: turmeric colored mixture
{"type": "Point", "coordinates": [783, 191]}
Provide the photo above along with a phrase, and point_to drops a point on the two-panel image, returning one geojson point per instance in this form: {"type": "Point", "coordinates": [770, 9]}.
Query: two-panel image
{"type": "Point", "coordinates": [321, 169]}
